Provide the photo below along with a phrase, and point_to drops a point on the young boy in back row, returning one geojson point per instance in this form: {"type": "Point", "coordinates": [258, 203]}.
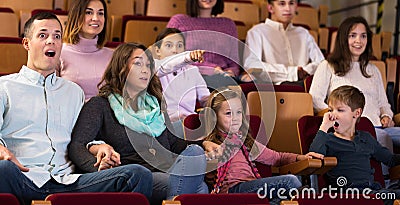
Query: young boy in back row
{"type": "Point", "coordinates": [352, 148]}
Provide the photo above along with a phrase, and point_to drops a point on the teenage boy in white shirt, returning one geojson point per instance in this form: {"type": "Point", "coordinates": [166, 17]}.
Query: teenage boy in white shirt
{"type": "Point", "coordinates": [287, 53]}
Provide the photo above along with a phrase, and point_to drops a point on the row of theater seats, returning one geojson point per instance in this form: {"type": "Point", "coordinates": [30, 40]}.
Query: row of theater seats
{"type": "Point", "coordinates": [124, 24]}
{"type": "Point", "coordinates": [124, 27]}
{"type": "Point", "coordinates": [21, 12]}
{"type": "Point", "coordinates": [245, 12]}
{"type": "Point", "coordinates": [283, 120]}
{"type": "Point", "coordinates": [153, 25]}
{"type": "Point", "coordinates": [139, 199]}
{"type": "Point", "coordinates": [280, 107]}
{"type": "Point", "coordinates": [248, 12]}
{"type": "Point", "coordinates": [287, 117]}
{"type": "Point", "coordinates": [201, 199]}
{"type": "Point", "coordinates": [14, 56]}
{"type": "Point", "coordinates": [308, 126]}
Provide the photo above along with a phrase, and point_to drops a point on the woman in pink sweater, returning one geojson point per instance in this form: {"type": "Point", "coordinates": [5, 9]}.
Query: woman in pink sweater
{"type": "Point", "coordinates": [84, 57]}
{"type": "Point", "coordinates": [236, 172]}
{"type": "Point", "coordinates": [218, 35]}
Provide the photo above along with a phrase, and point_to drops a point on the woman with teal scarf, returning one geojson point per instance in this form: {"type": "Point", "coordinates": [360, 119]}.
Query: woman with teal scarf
{"type": "Point", "coordinates": [126, 124]}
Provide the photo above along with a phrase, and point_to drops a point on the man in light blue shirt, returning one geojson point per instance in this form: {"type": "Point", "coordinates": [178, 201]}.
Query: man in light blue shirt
{"type": "Point", "coordinates": [38, 111]}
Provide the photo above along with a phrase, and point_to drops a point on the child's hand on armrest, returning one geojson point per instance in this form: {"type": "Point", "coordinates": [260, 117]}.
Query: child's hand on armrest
{"type": "Point", "coordinates": [309, 155]}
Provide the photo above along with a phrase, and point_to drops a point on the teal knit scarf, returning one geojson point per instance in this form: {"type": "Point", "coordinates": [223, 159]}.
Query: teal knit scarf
{"type": "Point", "coordinates": [148, 119]}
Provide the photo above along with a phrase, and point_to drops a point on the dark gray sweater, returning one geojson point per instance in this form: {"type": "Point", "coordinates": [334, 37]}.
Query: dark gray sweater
{"type": "Point", "coordinates": [353, 156]}
{"type": "Point", "coordinates": [97, 121]}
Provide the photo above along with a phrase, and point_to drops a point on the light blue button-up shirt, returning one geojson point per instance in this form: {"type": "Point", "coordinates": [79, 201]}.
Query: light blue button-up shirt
{"type": "Point", "coordinates": [38, 115]}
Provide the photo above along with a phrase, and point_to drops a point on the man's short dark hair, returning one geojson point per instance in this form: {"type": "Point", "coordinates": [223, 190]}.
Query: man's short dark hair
{"type": "Point", "coordinates": [39, 16]}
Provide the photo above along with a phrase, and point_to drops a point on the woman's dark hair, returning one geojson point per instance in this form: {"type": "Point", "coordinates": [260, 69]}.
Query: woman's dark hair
{"type": "Point", "coordinates": [76, 18]}
{"type": "Point", "coordinates": [341, 57]}
{"type": "Point", "coordinates": [192, 8]}
{"type": "Point", "coordinates": [166, 32]}
{"type": "Point", "coordinates": [117, 71]}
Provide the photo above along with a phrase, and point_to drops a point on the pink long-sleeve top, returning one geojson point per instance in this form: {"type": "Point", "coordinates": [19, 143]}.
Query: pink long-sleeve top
{"type": "Point", "coordinates": [218, 35]}
{"type": "Point", "coordinates": [84, 64]}
{"type": "Point", "coordinates": [240, 170]}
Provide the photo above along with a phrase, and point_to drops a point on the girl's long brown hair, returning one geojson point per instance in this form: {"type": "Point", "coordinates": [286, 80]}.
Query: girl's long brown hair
{"type": "Point", "coordinates": [117, 71]}
{"type": "Point", "coordinates": [76, 18]}
{"type": "Point", "coordinates": [217, 97]}
{"type": "Point", "coordinates": [341, 57]}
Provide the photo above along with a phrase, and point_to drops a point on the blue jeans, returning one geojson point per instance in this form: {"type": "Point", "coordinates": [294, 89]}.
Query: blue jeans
{"type": "Point", "coordinates": [394, 133]}
{"type": "Point", "coordinates": [384, 139]}
{"type": "Point", "coordinates": [388, 137]}
{"type": "Point", "coordinates": [185, 176]}
{"type": "Point", "coordinates": [128, 178]}
{"type": "Point", "coordinates": [160, 187]}
{"type": "Point", "coordinates": [268, 187]}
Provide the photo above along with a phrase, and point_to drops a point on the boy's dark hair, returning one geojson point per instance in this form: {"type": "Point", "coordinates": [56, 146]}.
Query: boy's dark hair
{"type": "Point", "coordinates": [38, 16]}
{"type": "Point", "coordinates": [166, 32]}
{"type": "Point", "coordinates": [348, 95]}
{"type": "Point", "coordinates": [192, 8]}
{"type": "Point", "coordinates": [341, 57]}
